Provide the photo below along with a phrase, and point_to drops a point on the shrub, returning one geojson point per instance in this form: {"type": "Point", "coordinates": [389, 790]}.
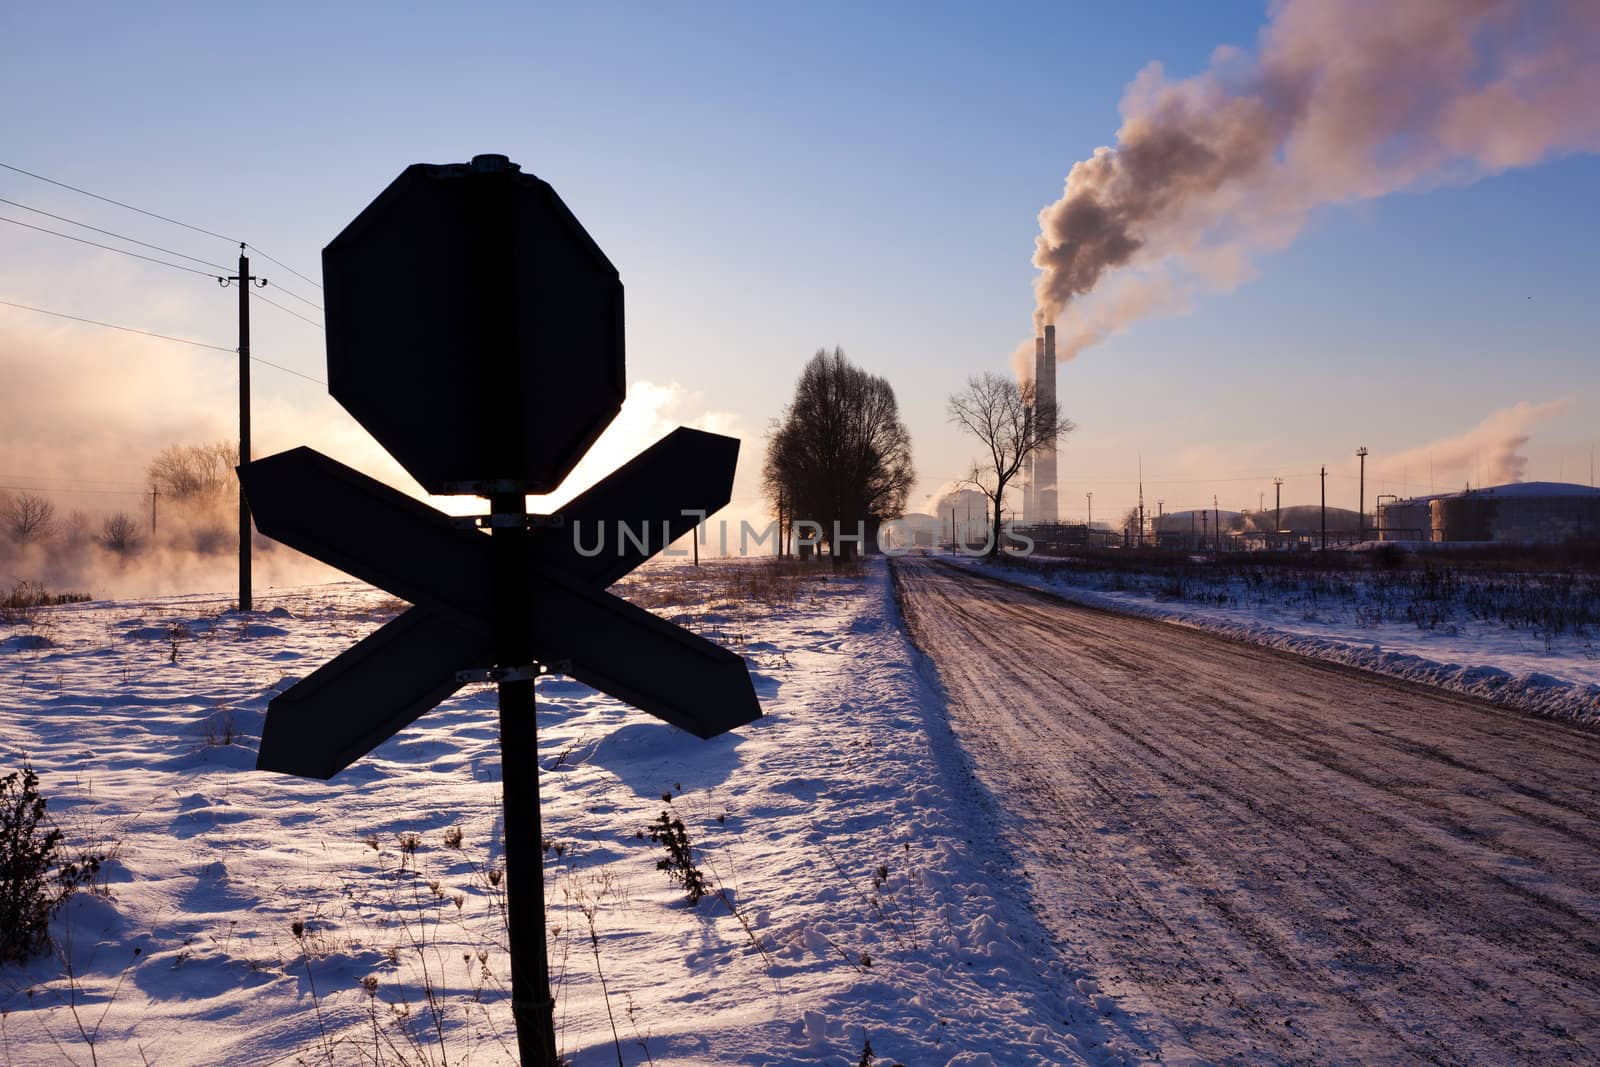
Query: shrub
{"type": "Point", "coordinates": [35, 881]}
{"type": "Point", "coordinates": [119, 532]}
{"type": "Point", "coordinates": [679, 860]}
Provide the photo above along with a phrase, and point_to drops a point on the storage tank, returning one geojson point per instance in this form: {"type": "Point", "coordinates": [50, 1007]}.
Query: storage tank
{"type": "Point", "coordinates": [1522, 512]}
{"type": "Point", "coordinates": [1406, 520]}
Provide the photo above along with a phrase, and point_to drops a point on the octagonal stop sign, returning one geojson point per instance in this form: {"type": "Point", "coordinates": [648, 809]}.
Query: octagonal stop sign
{"type": "Point", "coordinates": [473, 327]}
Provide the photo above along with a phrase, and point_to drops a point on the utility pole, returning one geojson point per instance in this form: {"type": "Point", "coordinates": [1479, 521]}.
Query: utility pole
{"type": "Point", "coordinates": [153, 492]}
{"type": "Point", "coordinates": [244, 279]}
{"type": "Point", "coordinates": [1361, 500]}
{"type": "Point", "coordinates": [1090, 520]}
{"type": "Point", "coordinates": [1277, 507]}
{"type": "Point", "coordinates": [1216, 515]}
{"type": "Point", "coordinates": [1324, 509]}
{"type": "Point", "coordinates": [1160, 514]}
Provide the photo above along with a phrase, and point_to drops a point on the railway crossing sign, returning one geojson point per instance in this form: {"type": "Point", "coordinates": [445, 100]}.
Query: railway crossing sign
{"type": "Point", "coordinates": [475, 329]}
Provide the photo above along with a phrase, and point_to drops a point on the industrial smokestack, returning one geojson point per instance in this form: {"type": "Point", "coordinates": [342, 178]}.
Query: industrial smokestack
{"type": "Point", "coordinates": [1342, 101]}
{"type": "Point", "coordinates": [1044, 462]}
{"type": "Point", "coordinates": [1030, 500]}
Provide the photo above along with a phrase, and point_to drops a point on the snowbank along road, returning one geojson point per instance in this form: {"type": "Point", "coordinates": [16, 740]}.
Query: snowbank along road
{"type": "Point", "coordinates": [1269, 859]}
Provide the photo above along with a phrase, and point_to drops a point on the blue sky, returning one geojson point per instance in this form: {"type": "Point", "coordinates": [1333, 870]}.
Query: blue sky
{"type": "Point", "coordinates": [769, 180]}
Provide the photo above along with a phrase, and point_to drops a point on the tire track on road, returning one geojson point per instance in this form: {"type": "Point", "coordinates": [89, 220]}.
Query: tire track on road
{"type": "Point", "coordinates": [1275, 858]}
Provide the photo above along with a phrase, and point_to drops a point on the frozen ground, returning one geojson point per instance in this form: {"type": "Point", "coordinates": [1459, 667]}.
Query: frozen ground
{"type": "Point", "coordinates": [1275, 860]}
{"type": "Point", "coordinates": [249, 918]}
{"type": "Point", "coordinates": [1555, 675]}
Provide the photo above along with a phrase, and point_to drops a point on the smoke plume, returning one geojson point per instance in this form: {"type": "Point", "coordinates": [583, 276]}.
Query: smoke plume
{"type": "Point", "coordinates": [1491, 453]}
{"type": "Point", "coordinates": [1344, 100]}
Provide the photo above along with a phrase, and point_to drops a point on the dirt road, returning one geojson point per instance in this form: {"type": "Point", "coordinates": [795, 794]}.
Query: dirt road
{"type": "Point", "coordinates": [1268, 859]}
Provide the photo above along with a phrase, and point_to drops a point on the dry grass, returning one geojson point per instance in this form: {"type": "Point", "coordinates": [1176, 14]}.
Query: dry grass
{"type": "Point", "coordinates": [731, 587]}
{"type": "Point", "coordinates": [17, 605]}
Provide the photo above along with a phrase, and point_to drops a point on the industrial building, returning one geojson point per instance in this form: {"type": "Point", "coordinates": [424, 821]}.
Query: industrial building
{"type": "Point", "coordinates": [1517, 513]}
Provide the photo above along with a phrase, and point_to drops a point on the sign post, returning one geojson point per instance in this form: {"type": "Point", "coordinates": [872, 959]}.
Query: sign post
{"type": "Point", "coordinates": [488, 369]}
{"type": "Point", "coordinates": [531, 1004]}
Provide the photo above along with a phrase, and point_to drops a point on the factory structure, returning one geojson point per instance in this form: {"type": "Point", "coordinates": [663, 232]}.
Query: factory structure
{"type": "Point", "coordinates": [1518, 513]}
{"type": "Point", "coordinates": [1039, 498]}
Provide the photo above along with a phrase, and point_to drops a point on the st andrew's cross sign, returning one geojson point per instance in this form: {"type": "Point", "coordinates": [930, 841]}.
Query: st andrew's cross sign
{"type": "Point", "coordinates": [475, 330]}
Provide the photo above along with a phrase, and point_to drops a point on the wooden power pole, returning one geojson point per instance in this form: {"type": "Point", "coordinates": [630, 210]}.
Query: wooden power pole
{"type": "Point", "coordinates": [1324, 509]}
{"type": "Point", "coordinates": [244, 279]}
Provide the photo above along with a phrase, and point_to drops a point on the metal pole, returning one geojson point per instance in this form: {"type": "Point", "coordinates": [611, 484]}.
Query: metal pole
{"type": "Point", "coordinates": [153, 492]}
{"type": "Point", "coordinates": [531, 1004]}
{"type": "Point", "coordinates": [245, 600]}
{"type": "Point", "coordinates": [1324, 509]}
{"type": "Point", "coordinates": [1361, 500]}
{"type": "Point", "coordinates": [1277, 508]}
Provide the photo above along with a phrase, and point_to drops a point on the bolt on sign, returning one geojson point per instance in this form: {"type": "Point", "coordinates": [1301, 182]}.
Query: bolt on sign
{"type": "Point", "coordinates": [475, 329]}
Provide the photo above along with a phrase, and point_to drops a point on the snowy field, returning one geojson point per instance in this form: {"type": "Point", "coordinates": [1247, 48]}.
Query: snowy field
{"type": "Point", "coordinates": [1552, 673]}
{"type": "Point", "coordinates": [246, 918]}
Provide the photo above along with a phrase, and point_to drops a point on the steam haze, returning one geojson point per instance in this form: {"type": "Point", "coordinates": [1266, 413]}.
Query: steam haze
{"type": "Point", "coordinates": [1490, 453]}
{"type": "Point", "coordinates": [1343, 101]}
{"type": "Point", "coordinates": [88, 412]}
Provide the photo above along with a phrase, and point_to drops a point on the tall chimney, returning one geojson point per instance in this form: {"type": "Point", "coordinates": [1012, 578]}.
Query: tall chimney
{"type": "Point", "coordinates": [1030, 498]}
{"type": "Point", "coordinates": [1044, 464]}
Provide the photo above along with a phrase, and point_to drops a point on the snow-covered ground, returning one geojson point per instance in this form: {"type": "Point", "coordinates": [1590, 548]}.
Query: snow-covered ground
{"type": "Point", "coordinates": [1554, 674]}
{"type": "Point", "coordinates": [248, 918]}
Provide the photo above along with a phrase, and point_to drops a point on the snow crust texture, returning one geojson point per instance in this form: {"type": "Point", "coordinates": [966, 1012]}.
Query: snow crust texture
{"type": "Point", "coordinates": [1555, 675]}
{"type": "Point", "coordinates": [860, 891]}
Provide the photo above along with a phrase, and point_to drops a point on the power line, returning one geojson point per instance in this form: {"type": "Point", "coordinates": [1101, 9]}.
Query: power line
{"type": "Point", "coordinates": [165, 337]}
{"type": "Point", "coordinates": [287, 311]}
{"type": "Point", "coordinates": [64, 492]}
{"type": "Point", "coordinates": [114, 326]}
{"type": "Point", "coordinates": [108, 248]}
{"type": "Point", "coordinates": [100, 483]}
{"type": "Point", "coordinates": [112, 233]}
{"type": "Point", "coordinates": [285, 266]}
{"type": "Point", "coordinates": [119, 203]}
{"type": "Point", "coordinates": [136, 255]}
{"type": "Point", "coordinates": [297, 296]}
{"type": "Point", "coordinates": [165, 218]}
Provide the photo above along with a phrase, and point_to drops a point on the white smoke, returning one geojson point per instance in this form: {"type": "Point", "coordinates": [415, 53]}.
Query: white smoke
{"type": "Point", "coordinates": [1491, 452]}
{"type": "Point", "coordinates": [1343, 101]}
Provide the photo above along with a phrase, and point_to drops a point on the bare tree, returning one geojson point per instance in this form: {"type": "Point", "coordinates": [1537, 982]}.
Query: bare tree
{"type": "Point", "coordinates": [74, 530]}
{"type": "Point", "coordinates": [119, 532]}
{"type": "Point", "coordinates": [187, 472]}
{"type": "Point", "coordinates": [1010, 426]}
{"type": "Point", "coordinates": [29, 517]}
{"type": "Point", "coordinates": [840, 454]}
